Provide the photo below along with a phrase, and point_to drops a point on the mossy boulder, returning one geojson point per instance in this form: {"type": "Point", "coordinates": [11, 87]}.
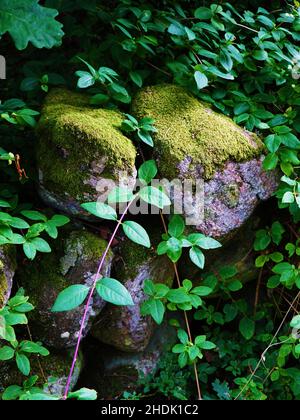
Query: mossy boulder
{"type": "Point", "coordinates": [81, 151]}
{"type": "Point", "coordinates": [55, 368]}
{"type": "Point", "coordinates": [7, 271]}
{"type": "Point", "coordinates": [74, 260]}
{"type": "Point", "coordinates": [123, 326]}
{"type": "Point", "coordinates": [112, 372]}
{"type": "Point", "coordinates": [195, 143]}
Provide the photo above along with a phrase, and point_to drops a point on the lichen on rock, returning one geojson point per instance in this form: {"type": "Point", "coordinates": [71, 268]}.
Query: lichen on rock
{"type": "Point", "coordinates": [74, 260]}
{"type": "Point", "coordinates": [80, 151]}
{"type": "Point", "coordinates": [124, 327]}
{"type": "Point", "coordinates": [7, 271]}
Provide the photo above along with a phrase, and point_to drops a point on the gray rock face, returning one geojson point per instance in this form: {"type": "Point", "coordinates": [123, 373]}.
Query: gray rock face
{"type": "Point", "coordinates": [114, 372]}
{"type": "Point", "coordinates": [81, 153]}
{"type": "Point", "coordinates": [124, 327]}
{"type": "Point", "coordinates": [7, 271]}
{"type": "Point", "coordinates": [74, 260]}
{"type": "Point", "coordinates": [232, 195]}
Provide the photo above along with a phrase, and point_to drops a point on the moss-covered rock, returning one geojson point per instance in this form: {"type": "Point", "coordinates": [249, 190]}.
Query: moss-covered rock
{"type": "Point", "coordinates": [195, 143]}
{"type": "Point", "coordinates": [81, 150]}
{"type": "Point", "coordinates": [74, 260]}
{"type": "Point", "coordinates": [112, 372]}
{"type": "Point", "coordinates": [7, 271]}
{"type": "Point", "coordinates": [124, 327]}
{"type": "Point", "coordinates": [55, 368]}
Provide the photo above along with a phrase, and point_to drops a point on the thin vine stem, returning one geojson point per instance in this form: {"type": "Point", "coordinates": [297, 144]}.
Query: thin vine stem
{"type": "Point", "coordinates": [90, 296]}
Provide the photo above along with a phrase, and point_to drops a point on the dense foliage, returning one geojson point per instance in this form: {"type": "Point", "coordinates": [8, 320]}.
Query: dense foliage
{"type": "Point", "coordinates": [244, 59]}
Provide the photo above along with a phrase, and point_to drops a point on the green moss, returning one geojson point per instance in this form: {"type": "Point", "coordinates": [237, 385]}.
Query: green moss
{"type": "Point", "coordinates": [188, 128]}
{"type": "Point", "coordinates": [72, 135]}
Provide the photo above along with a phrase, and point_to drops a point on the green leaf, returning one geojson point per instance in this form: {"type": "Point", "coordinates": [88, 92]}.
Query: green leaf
{"type": "Point", "coordinates": [136, 78]}
{"type": "Point", "coordinates": [147, 171]}
{"type": "Point", "coordinates": [120, 195]}
{"type": "Point", "coordinates": [295, 323]}
{"type": "Point", "coordinates": [136, 233]}
{"type": "Point", "coordinates": [100, 210]}
{"type": "Point", "coordinates": [27, 21]}
{"type": "Point", "coordinates": [197, 256]}
{"type": "Point", "coordinates": [202, 291]}
{"type": "Point", "coordinates": [30, 347]}
{"type": "Point", "coordinates": [247, 328]}
{"type": "Point", "coordinates": [203, 13]}
{"type": "Point", "coordinates": [270, 161]}
{"type": "Point", "coordinates": [201, 80]}
{"type": "Point", "coordinates": [83, 394]}
{"type": "Point", "coordinates": [41, 245]}
{"type": "Point", "coordinates": [176, 226]}
{"type": "Point", "coordinates": [23, 363]}
{"type": "Point", "coordinates": [29, 250]}
{"type": "Point", "coordinates": [113, 291]}
{"type": "Point", "coordinates": [155, 308]}
{"type": "Point", "coordinates": [11, 393]}
{"type": "Point", "coordinates": [183, 337]}
{"type": "Point", "coordinates": [71, 298]}
{"type": "Point", "coordinates": [155, 197]}
{"type": "Point", "coordinates": [6, 353]}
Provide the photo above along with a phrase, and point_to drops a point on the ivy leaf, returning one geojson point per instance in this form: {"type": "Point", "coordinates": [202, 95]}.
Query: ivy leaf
{"type": "Point", "coordinates": [71, 298]}
{"type": "Point", "coordinates": [136, 233]}
{"type": "Point", "coordinates": [27, 21]}
{"type": "Point", "coordinates": [113, 291]}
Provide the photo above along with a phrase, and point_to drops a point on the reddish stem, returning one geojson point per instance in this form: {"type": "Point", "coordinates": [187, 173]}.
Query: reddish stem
{"type": "Point", "coordinates": [75, 357]}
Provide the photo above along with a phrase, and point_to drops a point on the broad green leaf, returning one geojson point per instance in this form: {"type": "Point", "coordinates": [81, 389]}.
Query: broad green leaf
{"type": "Point", "coordinates": [155, 197]}
{"type": "Point", "coordinates": [201, 80]}
{"type": "Point", "coordinates": [27, 21]}
{"type": "Point", "coordinates": [136, 233]}
{"type": "Point", "coordinates": [71, 298]}
{"type": "Point", "coordinates": [113, 291]}
{"type": "Point", "coordinates": [147, 171]}
{"type": "Point", "coordinates": [120, 195]}
{"type": "Point", "coordinates": [176, 226]}
{"type": "Point", "coordinates": [247, 328]}
{"type": "Point", "coordinates": [83, 394]}
{"type": "Point", "coordinates": [197, 256]}
{"type": "Point", "coordinates": [6, 353]}
{"type": "Point", "coordinates": [155, 308]}
{"type": "Point", "coordinates": [23, 363]}
{"type": "Point", "coordinates": [100, 210]}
